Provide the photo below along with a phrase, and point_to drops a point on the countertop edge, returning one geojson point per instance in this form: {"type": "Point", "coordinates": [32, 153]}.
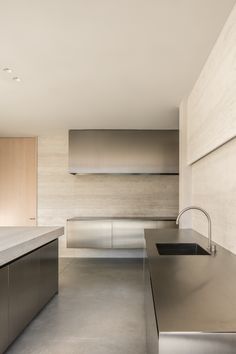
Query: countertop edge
{"type": "Point", "coordinates": [117, 218]}
{"type": "Point", "coordinates": [10, 254]}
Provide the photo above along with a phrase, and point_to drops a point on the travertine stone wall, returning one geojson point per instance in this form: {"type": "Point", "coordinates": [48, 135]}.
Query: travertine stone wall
{"type": "Point", "coordinates": [214, 188]}
{"type": "Point", "coordinates": [212, 103]}
{"type": "Point", "coordinates": [210, 119]}
{"type": "Point", "coordinates": [62, 196]}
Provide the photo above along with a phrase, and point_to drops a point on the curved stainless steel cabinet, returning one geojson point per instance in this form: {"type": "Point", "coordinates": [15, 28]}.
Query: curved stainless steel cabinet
{"type": "Point", "coordinates": [3, 308]}
{"type": "Point", "coordinates": [130, 234]}
{"type": "Point", "coordinates": [89, 234]}
{"type": "Point", "coordinates": [118, 234]}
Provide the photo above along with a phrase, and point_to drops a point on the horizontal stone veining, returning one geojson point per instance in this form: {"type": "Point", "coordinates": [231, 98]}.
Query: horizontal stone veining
{"type": "Point", "coordinates": [62, 196]}
{"type": "Point", "coordinates": [212, 104]}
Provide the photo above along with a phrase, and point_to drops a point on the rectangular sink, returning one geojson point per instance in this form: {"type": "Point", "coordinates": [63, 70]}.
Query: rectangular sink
{"type": "Point", "coordinates": [181, 249]}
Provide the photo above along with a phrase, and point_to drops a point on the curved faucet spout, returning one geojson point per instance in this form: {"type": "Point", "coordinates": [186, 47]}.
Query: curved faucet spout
{"type": "Point", "coordinates": [211, 246]}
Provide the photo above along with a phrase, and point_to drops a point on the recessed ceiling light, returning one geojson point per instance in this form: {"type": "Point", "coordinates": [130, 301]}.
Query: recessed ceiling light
{"type": "Point", "coordinates": [7, 70]}
{"type": "Point", "coordinates": [16, 78]}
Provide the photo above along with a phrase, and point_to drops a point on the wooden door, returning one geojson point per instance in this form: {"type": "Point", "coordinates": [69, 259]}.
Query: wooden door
{"type": "Point", "coordinates": [18, 181]}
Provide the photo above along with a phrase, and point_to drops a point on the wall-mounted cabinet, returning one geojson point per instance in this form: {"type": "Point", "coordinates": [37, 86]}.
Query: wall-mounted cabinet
{"type": "Point", "coordinates": [122, 151]}
{"type": "Point", "coordinates": [130, 234]}
{"type": "Point", "coordinates": [87, 234]}
{"type": "Point", "coordinates": [113, 233]}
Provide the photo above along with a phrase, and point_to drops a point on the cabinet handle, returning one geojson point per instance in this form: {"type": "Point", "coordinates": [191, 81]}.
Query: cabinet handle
{"type": "Point", "coordinates": [32, 218]}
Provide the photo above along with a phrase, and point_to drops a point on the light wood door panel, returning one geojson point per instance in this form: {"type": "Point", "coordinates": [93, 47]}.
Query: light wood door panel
{"type": "Point", "coordinates": [18, 181]}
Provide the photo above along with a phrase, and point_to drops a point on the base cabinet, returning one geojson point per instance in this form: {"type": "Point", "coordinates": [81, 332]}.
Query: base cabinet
{"type": "Point", "coordinates": [23, 292]}
{"type": "Point", "coordinates": [48, 273]}
{"type": "Point", "coordinates": [26, 285]}
{"type": "Point", "coordinates": [130, 234]}
{"type": "Point", "coordinates": [89, 234]}
{"type": "Point", "coordinates": [3, 308]}
{"type": "Point", "coordinates": [152, 340]}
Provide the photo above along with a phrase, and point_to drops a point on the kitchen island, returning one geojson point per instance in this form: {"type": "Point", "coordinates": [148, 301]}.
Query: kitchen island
{"type": "Point", "coordinates": [28, 276]}
{"type": "Point", "coordinates": [190, 299]}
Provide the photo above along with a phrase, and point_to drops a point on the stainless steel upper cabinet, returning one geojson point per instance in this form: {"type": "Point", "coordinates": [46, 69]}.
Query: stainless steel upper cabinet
{"type": "Point", "coordinates": [124, 151]}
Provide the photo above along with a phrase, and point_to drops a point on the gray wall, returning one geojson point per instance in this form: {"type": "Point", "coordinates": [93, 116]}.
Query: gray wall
{"type": "Point", "coordinates": [62, 196]}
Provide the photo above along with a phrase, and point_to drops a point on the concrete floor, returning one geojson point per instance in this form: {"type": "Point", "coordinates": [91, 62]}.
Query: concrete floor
{"type": "Point", "coordinates": [99, 310]}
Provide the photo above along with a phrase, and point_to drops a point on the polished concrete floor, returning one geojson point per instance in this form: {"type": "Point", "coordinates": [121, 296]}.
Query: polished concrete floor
{"type": "Point", "coordinates": [99, 310]}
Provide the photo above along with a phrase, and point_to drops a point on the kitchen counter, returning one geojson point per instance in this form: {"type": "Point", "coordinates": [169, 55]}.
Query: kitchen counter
{"type": "Point", "coordinates": [28, 276]}
{"type": "Point", "coordinates": [145, 218]}
{"type": "Point", "coordinates": [192, 295]}
{"type": "Point", "coordinates": [17, 241]}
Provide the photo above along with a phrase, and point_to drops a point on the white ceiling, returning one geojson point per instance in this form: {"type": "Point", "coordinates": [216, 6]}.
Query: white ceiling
{"type": "Point", "coordinates": [101, 63]}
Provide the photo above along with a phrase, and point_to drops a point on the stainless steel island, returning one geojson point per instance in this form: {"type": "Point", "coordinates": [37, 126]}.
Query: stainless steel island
{"type": "Point", "coordinates": [28, 276]}
{"type": "Point", "coordinates": [190, 299]}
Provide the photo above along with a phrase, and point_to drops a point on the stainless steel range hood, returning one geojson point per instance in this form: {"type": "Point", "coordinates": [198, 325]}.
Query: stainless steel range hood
{"type": "Point", "coordinates": [124, 151]}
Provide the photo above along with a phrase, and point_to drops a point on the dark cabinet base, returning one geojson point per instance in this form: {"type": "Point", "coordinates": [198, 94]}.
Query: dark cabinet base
{"type": "Point", "coordinates": [26, 285]}
{"type": "Point", "coordinates": [3, 308]}
{"type": "Point", "coordinates": [48, 273]}
{"type": "Point", "coordinates": [151, 321]}
{"type": "Point", "coordinates": [23, 292]}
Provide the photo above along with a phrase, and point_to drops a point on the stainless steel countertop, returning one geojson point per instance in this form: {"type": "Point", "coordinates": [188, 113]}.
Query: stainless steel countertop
{"type": "Point", "coordinates": [147, 218]}
{"type": "Point", "coordinates": [192, 293]}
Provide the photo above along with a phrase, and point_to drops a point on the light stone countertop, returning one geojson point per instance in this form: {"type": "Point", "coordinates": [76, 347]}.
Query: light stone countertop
{"type": "Point", "coordinates": [17, 241]}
